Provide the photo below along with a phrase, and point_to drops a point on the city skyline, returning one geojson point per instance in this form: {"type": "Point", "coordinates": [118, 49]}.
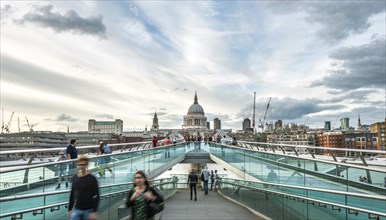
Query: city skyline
{"type": "Point", "coordinates": [63, 63]}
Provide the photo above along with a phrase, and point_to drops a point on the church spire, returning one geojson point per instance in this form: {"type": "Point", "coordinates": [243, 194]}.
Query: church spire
{"type": "Point", "coordinates": [195, 98]}
{"type": "Point", "coordinates": [359, 122]}
{"type": "Point", "coordinates": [155, 125]}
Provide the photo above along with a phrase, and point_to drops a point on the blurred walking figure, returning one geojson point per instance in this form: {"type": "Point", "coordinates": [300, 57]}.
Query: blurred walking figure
{"type": "Point", "coordinates": [211, 180]}
{"type": "Point", "coordinates": [84, 196]}
{"type": "Point", "coordinates": [140, 198]}
{"type": "Point", "coordinates": [103, 163]}
{"type": "Point", "coordinates": [234, 141]}
{"type": "Point", "coordinates": [154, 141]}
{"type": "Point", "coordinates": [192, 182]}
{"type": "Point", "coordinates": [272, 176]}
{"type": "Point", "coordinates": [62, 169]}
{"type": "Point", "coordinates": [205, 173]}
{"type": "Point", "coordinates": [216, 177]}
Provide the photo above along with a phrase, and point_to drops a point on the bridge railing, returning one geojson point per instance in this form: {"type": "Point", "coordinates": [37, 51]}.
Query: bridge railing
{"type": "Point", "coordinates": [44, 177]}
{"type": "Point", "coordinates": [29, 155]}
{"type": "Point", "coordinates": [295, 170]}
{"type": "Point", "coordinates": [279, 201]}
{"type": "Point", "coordinates": [351, 154]}
{"type": "Point", "coordinates": [53, 205]}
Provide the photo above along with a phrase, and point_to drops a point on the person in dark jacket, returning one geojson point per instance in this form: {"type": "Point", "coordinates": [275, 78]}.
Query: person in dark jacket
{"type": "Point", "coordinates": [192, 182]}
{"type": "Point", "coordinates": [140, 197]}
{"type": "Point", "coordinates": [72, 153]}
{"type": "Point", "coordinates": [84, 196]}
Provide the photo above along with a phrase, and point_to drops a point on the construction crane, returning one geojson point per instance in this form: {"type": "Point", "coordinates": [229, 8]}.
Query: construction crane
{"type": "Point", "coordinates": [8, 126]}
{"type": "Point", "coordinates": [254, 112]}
{"type": "Point", "coordinates": [304, 125]}
{"type": "Point", "coordinates": [29, 126]}
{"type": "Point", "coordinates": [265, 116]}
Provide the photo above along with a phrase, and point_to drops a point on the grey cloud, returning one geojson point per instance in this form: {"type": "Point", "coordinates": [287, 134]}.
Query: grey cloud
{"type": "Point", "coordinates": [35, 77]}
{"type": "Point", "coordinates": [335, 20]}
{"type": "Point", "coordinates": [360, 96]}
{"type": "Point", "coordinates": [69, 21]}
{"type": "Point", "coordinates": [170, 121]}
{"type": "Point", "coordinates": [62, 118]}
{"type": "Point", "coordinates": [339, 20]}
{"type": "Point", "coordinates": [287, 109]}
{"type": "Point", "coordinates": [334, 92]}
{"type": "Point", "coordinates": [211, 116]}
{"type": "Point", "coordinates": [180, 89]}
{"type": "Point", "coordinates": [368, 115]}
{"type": "Point", "coordinates": [361, 67]}
{"type": "Point", "coordinates": [134, 10]}
{"type": "Point", "coordinates": [6, 11]}
{"type": "Point", "coordinates": [159, 113]}
{"type": "Point", "coordinates": [107, 116]}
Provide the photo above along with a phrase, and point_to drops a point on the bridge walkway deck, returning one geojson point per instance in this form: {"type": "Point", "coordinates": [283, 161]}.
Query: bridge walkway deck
{"type": "Point", "coordinates": [212, 206]}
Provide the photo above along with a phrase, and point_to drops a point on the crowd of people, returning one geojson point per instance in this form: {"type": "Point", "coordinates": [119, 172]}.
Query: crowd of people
{"type": "Point", "coordinates": [205, 176]}
{"type": "Point", "coordinates": [144, 200]}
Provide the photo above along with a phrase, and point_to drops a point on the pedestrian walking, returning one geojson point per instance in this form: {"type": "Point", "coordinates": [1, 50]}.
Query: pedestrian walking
{"type": "Point", "coordinates": [215, 177]}
{"type": "Point", "coordinates": [142, 198]}
{"type": "Point", "coordinates": [84, 196]}
{"type": "Point", "coordinates": [72, 153]}
{"type": "Point", "coordinates": [154, 141]}
{"type": "Point", "coordinates": [192, 183]}
{"type": "Point", "coordinates": [103, 162]}
{"type": "Point", "coordinates": [205, 173]}
{"type": "Point", "coordinates": [211, 180]}
{"type": "Point", "coordinates": [62, 169]}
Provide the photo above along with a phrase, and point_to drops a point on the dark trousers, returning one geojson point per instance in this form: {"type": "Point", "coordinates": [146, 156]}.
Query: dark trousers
{"type": "Point", "coordinates": [193, 186]}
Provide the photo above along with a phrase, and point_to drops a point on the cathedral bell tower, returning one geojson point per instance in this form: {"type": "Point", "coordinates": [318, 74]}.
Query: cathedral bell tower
{"type": "Point", "coordinates": [155, 125]}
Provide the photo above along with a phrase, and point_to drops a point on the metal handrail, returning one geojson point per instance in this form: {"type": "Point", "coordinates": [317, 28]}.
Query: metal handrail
{"type": "Point", "coordinates": [317, 148]}
{"type": "Point", "coordinates": [302, 198]}
{"type": "Point", "coordinates": [61, 148]}
{"type": "Point", "coordinates": [311, 159]}
{"type": "Point", "coordinates": [377, 197]}
{"type": "Point", "coordinates": [21, 212]}
{"type": "Point", "coordinates": [86, 147]}
{"type": "Point", "coordinates": [230, 146]}
{"type": "Point", "coordinates": [241, 142]}
{"type": "Point", "coordinates": [33, 195]}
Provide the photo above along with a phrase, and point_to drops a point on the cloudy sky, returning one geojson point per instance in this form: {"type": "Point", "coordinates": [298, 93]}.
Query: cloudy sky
{"type": "Point", "coordinates": [64, 62]}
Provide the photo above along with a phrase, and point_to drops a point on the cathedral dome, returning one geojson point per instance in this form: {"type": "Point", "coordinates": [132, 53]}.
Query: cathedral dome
{"type": "Point", "coordinates": [195, 108]}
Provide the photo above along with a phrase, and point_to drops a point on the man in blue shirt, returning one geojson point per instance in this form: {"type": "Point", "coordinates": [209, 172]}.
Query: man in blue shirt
{"type": "Point", "coordinates": [72, 153]}
{"type": "Point", "coordinates": [205, 172]}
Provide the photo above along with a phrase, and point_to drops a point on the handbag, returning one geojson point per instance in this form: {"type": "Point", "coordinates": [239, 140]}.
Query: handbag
{"type": "Point", "coordinates": [155, 208]}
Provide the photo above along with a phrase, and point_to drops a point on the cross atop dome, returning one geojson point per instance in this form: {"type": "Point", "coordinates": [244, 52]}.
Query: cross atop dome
{"type": "Point", "coordinates": [195, 98]}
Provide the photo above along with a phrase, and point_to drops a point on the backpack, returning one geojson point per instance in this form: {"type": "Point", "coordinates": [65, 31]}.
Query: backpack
{"type": "Point", "coordinates": [106, 149]}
